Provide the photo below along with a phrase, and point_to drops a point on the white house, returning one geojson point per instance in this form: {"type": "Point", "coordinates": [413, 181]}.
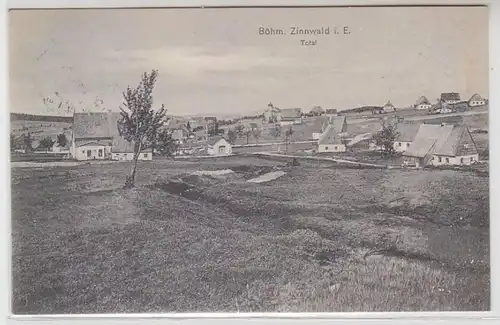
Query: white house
{"type": "Point", "coordinates": [331, 141]}
{"type": "Point", "coordinates": [443, 144]}
{"type": "Point", "coordinates": [476, 100]}
{"type": "Point", "coordinates": [423, 103]}
{"type": "Point", "coordinates": [219, 146]}
{"type": "Point", "coordinates": [388, 107]}
{"type": "Point", "coordinates": [272, 114]}
{"type": "Point", "coordinates": [123, 150]}
{"type": "Point", "coordinates": [93, 135]}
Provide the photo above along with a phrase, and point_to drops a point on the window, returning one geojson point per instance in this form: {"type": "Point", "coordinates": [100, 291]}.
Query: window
{"type": "Point", "coordinates": [439, 159]}
{"type": "Point", "coordinates": [407, 144]}
{"type": "Point", "coordinates": [335, 148]}
{"type": "Point", "coordinates": [447, 160]}
{"type": "Point", "coordinates": [145, 155]}
{"type": "Point", "coordinates": [461, 160]}
{"type": "Point", "coordinates": [471, 159]}
{"type": "Point", "coordinates": [399, 144]}
{"type": "Point", "coordinates": [100, 152]}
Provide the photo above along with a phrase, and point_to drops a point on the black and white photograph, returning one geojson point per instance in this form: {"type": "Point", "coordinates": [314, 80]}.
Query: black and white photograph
{"type": "Point", "coordinates": [249, 160]}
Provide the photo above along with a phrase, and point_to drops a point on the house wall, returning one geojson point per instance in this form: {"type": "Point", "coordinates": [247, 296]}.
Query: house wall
{"type": "Point", "coordinates": [401, 146]}
{"type": "Point", "coordinates": [316, 135]}
{"type": "Point", "coordinates": [418, 162]}
{"type": "Point", "coordinates": [130, 156]}
{"type": "Point", "coordinates": [477, 103]}
{"type": "Point", "coordinates": [453, 161]}
{"type": "Point", "coordinates": [81, 152]}
{"type": "Point", "coordinates": [424, 106]}
{"type": "Point", "coordinates": [331, 148]}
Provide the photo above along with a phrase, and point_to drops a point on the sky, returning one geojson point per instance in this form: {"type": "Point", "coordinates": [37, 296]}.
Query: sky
{"type": "Point", "coordinates": [214, 60]}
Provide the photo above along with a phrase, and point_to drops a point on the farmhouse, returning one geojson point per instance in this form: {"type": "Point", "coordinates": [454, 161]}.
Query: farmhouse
{"type": "Point", "coordinates": [476, 100]}
{"type": "Point", "coordinates": [291, 116]}
{"type": "Point", "coordinates": [331, 141]}
{"type": "Point", "coordinates": [450, 98]}
{"type": "Point", "coordinates": [388, 107]}
{"type": "Point", "coordinates": [423, 103]}
{"type": "Point", "coordinates": [407, 133]}
{"type": "Point", "coordinates": [218, 146]}
{"type": "Point", "coordinates": [93, 135]}
{"type": "Point", "coordinates": [123, 150]}
{"type": "Point", "coordinates": [331, 111]}
{"type": "Point", "coordinates": [317, 111]}
{"type": "Point", "coordinates": [442, 145]}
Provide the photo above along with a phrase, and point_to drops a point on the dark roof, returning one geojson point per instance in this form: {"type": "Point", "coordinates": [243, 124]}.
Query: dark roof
{"type": "Point", "coordinates": [423, 101]}
{"type": "Point", "coordinates": [476, 98]}
{"type": "Point", "coordinates": [95, 125]}
{"type": "Point", "coordinates": [253, 125]}
{"type": "Point", "coordinates": [407, 131]}
{"type": "Point", "coordinates": [214, 140]}
{"type": "Point", "coordinates": [317, 109]}
{"type": "Point", "coordinates": [450, 96]}
{"type": "Point", "coordinates": [291, 113]}
{"type": "Point", "coordinates": [120, 145]}
{"type": "Point", "coordinates": [337, 122]}
{"type": "Point", "coordinates": [330, 136]}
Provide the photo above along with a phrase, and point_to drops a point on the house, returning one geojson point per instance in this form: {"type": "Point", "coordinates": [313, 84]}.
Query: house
{"type": "Point", "coordinates": [253, 126]}
{"type": "Point", "coordinates": [331, 111]}
{"type": "Point", "coordinates": [65, 149]}
{"type": "Point", "coordinates": [443, 144]}
{"type": "Point", "coordinates": [317, 111]}
{"type": "Point", "coordinates": [476, 100]}
{"type": "Point", "coordinates": [450, 98]}
{"type": "Point", "coordinates": [377, 110]}
{"type": "Point", "coordinates": [272, 114]}
{"type": "Point", "coordinates": [407, 133]}
{"type": "Point", "coordinates": [361, 142]}
{"type": "Point", "coordinates": [459, 107]}
{"type": "Point", "coordinates": [388, 107]}
{"type": "Point", "coordinates": [201, 135]}
{"type": "Point", "coordinates": [423, 103]}
{"type": "Point", "coordinates": [219, 146]}
{"type": "Point", "coordinates": [339, 124]}
{"type": "Point", "coordinates": [291, 116]}
{"type": "Point", "coordinates": [122, 149]}
{"type": "Point", "coordinates": [331, 141]}
{"type": "Point", "coordinates": [93, 135]}
{"type": "Point", "coordinates": [442, 108]}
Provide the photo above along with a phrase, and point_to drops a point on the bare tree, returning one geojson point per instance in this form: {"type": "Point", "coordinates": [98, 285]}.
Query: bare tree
{"type": "Point", "coordinates": [231, 136]}
{"type": "Point", "coordinates": [288, 136]}
{"type": "Point", "coordinates": [139, 122]}
{"type": "Point", "coordinates": [256, 134]}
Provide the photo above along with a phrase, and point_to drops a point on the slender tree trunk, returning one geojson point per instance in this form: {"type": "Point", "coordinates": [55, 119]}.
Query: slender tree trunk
{"type": "Point", "coordinates": [131, 179]}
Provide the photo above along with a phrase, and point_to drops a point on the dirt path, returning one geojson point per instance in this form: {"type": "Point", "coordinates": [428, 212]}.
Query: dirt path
{"type": "Point", "coordinates": [321, 158]}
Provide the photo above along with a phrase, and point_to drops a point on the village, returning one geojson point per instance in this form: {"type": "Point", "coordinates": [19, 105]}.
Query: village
{"type": "Point", "coordinates": [419, 134]}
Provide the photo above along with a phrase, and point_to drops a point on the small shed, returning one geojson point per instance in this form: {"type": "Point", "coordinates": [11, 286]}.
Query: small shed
{"type": "Point", "coordinates": [219, 146]}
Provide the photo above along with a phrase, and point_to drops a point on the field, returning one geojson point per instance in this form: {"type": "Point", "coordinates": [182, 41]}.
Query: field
{"type": "Point", "coordinates": [320, 238]}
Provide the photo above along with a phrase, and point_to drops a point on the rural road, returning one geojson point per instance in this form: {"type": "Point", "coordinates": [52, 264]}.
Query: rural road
{"type": "Point", "coordinates": [265, 144]}
{"type": "Point", "coordinates": [320, 158]}
{"type": "Point", "coordinates": [419, 117]}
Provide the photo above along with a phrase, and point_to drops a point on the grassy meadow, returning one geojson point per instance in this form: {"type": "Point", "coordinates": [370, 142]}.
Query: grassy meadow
{"type": "Point", "coordinates": [320, 238]}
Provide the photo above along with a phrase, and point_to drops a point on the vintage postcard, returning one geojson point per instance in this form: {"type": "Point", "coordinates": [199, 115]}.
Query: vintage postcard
{"type": "Point", "coordinates": [249, 160]}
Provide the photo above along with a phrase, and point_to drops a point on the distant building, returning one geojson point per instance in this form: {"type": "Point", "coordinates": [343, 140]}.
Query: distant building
{"type": "Point", "coordinates": [331, 111]}
{"type": "Point", "coordinates": [331, 141]}
{"type": "Point", "coordinates": [388, 107]}
{"type": "Point", "coordinates": [423, 104]}
{"type": "Point", "coordinates": [219, 146]}
{"type": "Point", "coordinates": [443, 144]}
{"type": "Point", "coordinates": [476, 100]}
{"type": "Point", "coordinates": [93, 135]}
{"type": "Point", "coordinates": [123, 150]}
{"type": "Point", "coordinates": [291, 116]}
{"type": "Point", "coordinates": [272, 114]}
{"type": "Point", "coordinates": [317, 111]}
{"type": "Point", "coordinates": [450, 98]}
{"type": "Point", "coordinates": [201, 135]}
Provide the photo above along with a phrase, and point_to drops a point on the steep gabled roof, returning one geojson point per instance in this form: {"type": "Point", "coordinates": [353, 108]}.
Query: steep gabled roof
{"type": "Point", "coordinates": [407, 131]}
{"type": "Point", "coordinates": [215, 139]}
{"type": "Point", "coordinates": [330, 136]}
{"type": "Point", "coordinates": [388, 104]}
{"type": "Point", "coordinates": [450, 96]}
{"type": "Point", "coordinates": [476, 98]}
{"type": "Point", "coordinates": [426, 139]}
{"type": "Point", "coordinates": [317, 109]}
{"type": "Point", "coordinates": [120, 145]}
{"type": "Point", "coordinates": [458, 142]}
{"type": "Point", "coordinates": [423, 101]}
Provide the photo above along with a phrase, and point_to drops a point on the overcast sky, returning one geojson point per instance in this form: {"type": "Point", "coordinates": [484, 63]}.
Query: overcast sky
{"type": "Point", "coordinates": [214, 60]}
